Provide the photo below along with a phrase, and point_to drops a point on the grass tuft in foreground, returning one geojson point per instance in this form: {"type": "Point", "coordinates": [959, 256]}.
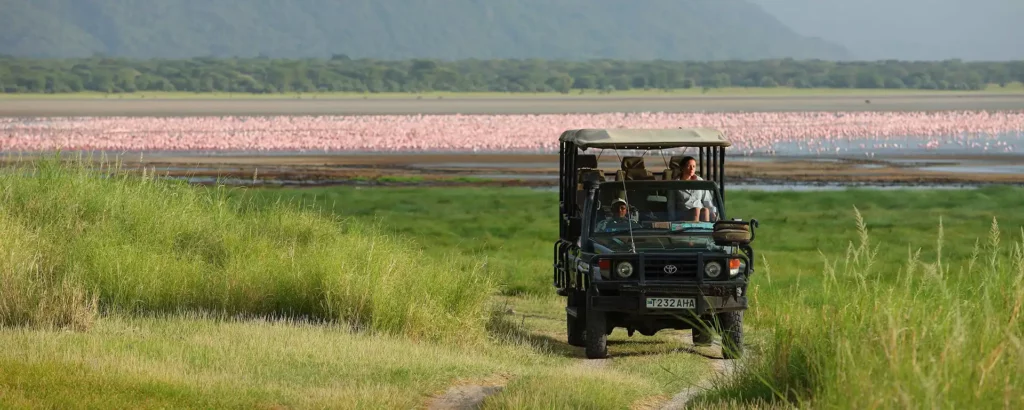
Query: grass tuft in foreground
{"type": "Point", "coordinates": [138, 245]}
{"type": "Point", "coordinates": [930, 334]}
{"type": "Point", "coordinates": [31, 293]}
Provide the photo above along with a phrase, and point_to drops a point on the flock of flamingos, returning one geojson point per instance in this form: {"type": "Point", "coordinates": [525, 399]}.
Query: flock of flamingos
{"type": "Point", "coordinates": [757, 133]}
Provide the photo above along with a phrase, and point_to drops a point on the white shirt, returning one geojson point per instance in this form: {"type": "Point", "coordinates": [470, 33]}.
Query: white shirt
{"type": "Point", "coordinates": [696, 198]}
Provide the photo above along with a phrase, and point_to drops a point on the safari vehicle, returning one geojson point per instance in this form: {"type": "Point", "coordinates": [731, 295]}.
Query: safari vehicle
{"type": "Point", "coordinates": [663, 269]}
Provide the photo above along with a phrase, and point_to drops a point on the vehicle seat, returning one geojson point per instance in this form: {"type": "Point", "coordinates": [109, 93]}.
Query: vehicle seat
{"type": "Point", "coordinates": [586, 165]}
{"type": "Point", "coordinates": [633, 169]}
{"type": "Point", "coordinates": [675, 167]}
{"type": "Point", "coordinates": [657, 206]}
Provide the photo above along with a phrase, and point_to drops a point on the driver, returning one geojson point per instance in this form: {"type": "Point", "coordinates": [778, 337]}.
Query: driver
{"type": "Point", "coordinates": [618, 219]}
{"type": "Point", "coordinates": [694, 204]}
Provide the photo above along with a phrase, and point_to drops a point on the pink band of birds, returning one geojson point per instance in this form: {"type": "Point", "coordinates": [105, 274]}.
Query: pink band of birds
{"type": "Point", "coordinates": [750, 133]}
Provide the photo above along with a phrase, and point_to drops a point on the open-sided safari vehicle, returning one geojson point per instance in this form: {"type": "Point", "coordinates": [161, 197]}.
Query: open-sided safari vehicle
{"type": "Point", "coordinates": [657, 263]}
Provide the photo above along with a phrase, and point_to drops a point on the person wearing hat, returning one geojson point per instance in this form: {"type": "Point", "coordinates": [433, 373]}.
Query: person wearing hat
{"type": "Point", "coordinates": [619, 218]}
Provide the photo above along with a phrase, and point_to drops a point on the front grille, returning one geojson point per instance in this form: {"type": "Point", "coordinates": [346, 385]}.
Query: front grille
{"type": "Point", "coordinates": [686, 267]}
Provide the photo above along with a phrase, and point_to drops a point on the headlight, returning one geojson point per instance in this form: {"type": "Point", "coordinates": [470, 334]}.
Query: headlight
{"type": "Point", "coordinates": [624, 269]}
{"type": "Point", "coordinates": [713, 269]}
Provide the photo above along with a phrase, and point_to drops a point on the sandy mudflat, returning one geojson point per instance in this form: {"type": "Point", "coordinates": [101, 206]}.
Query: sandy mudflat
{"type": "Point", "coordinates": [542, 170]}
{"type": "Point", "coordinates": [524, 105]}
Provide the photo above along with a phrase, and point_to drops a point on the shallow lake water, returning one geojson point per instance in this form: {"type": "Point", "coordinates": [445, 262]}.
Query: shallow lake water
{"type": "Point", "coordinates": [977, 168]}
{"type": "Point", "coordinates": [909, 145]}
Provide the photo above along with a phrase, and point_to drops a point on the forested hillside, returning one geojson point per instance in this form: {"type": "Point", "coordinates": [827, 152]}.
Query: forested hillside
{"type": "Point", "coordinates": [400, 29]}
{"type": "Point", "coordinates": [421, 75]}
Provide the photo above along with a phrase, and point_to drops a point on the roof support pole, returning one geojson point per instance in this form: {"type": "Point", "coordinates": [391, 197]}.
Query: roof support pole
{"type": "Point", "coordinates": [721, 173]}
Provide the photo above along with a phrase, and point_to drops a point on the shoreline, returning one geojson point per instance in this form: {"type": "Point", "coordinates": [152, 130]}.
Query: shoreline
{"type": "Point", "coordinates": [535, 170]}
{"type": "Point", "coordinates": [127, 107]}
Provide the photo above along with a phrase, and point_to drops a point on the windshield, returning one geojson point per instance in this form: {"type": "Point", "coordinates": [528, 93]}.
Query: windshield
{"type": "Point", "coordinates": [660, 210]}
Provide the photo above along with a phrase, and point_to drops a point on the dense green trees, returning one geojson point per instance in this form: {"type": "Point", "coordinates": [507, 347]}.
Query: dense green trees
{"type": "Point", "coordinates": [341, 73]}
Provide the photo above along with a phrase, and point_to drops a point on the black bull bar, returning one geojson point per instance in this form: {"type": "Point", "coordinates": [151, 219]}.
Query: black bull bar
{"type": "Point", "coordinates": [630, 295]}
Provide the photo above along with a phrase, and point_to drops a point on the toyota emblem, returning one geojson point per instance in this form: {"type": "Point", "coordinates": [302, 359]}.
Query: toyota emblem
{"type": "Point", "coordinates": [670, 269]}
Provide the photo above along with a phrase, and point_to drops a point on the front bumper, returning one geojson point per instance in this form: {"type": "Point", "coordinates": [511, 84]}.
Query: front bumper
{"type": "Point", "coordinates": [710, 297]}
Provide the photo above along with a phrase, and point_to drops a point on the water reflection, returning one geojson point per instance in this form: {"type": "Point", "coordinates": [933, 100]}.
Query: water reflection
{"type": "Point", "coordinates": [978, 169]}
{"type": "Point", "coordinates": [908, 145]}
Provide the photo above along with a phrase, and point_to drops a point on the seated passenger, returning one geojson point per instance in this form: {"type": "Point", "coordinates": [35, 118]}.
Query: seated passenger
{"type": "Point", "coordinates": [693, 205]}
{"type": "Point", "coordinates": [619, 219]}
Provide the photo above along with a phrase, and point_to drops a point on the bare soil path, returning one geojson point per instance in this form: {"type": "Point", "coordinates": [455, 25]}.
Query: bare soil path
{"type": "Point", "coordinates": [467, 395]}
{"type": "Point", "coordinates": [542, 170]}
{"type": "Point", "coordinates": [720, 369]}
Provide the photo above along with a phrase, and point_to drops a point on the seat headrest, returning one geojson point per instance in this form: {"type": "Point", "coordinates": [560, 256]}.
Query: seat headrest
{"type": "Point", "coordinates": [591, 175]}
{"type": "Point", "coordinates": [586, 161]}
{"type": "Point", "coordinates": [632, 163]}
{"type": "Point", "coordinates": [676, 162]}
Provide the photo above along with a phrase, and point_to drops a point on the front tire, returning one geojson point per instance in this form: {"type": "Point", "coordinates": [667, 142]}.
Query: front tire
{"type": "Point", "coordinates": [732, 334]}
{"type": "Point", "coordinates": [597, 338]}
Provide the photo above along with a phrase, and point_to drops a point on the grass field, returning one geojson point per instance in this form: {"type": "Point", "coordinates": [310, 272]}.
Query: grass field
{"type": "Point", "coordinates": [919, 306]}
{"type": "Point", "coordinates": [693, 92]}
{"type": "Point", "coordinates": [514, 227]}
{"type": "Point", "coordinates": [202, 297]}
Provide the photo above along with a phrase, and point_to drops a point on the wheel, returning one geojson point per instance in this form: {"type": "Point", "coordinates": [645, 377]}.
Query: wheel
{"type": "Point", "coordinates": [732, 334]}
{"type": "Point", "coordinates": [702, 335]}
{"type": "Point", "coordinates": [597, 336]}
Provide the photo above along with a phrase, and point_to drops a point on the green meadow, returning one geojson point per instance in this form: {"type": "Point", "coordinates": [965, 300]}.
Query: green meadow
{"type": "Point", "coordinates": [129, 291]}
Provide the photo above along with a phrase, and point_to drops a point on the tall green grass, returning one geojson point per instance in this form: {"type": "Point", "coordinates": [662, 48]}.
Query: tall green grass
{"type": "Point", "coordinates": [936, 333]}
{"type": "Point", "coordinates": [31, 293]}
{"type": "Point", "coordinates": [507, 233]}
{"type": "Point", "coordinates": [513, 229]}
{"type": "Point", "coordinates": [838, 320]}
{"type": "Point", "coordinates": [148, 246]}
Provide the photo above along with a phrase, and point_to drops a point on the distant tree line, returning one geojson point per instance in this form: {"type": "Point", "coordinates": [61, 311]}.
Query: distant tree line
{"type": "Point", "coordinates": [340, 73]}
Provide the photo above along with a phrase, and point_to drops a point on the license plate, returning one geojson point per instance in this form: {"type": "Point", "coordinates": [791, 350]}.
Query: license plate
{"type": "Point", "coordinates": [671, 303]}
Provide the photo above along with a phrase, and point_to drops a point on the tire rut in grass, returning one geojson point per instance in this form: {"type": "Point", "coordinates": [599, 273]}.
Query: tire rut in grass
{"type": "Point", "coordinates": [593, 363]}
{"type": "Point", "coordinates": [468, 394]}
{"type": "Point", "coordinates": [720, 368]}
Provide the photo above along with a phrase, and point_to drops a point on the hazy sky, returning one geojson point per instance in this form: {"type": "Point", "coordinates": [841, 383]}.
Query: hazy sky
{"type": "Point", "coordinates": [910, 29]}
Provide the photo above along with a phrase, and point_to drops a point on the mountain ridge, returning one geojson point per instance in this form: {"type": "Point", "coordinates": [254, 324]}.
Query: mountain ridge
{"type": "Point", "coordinates": [401, 29]}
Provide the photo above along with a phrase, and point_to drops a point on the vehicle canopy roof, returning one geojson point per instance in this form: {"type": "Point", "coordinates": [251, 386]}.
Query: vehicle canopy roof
{"type": "Point", "coordinates": [633, 138]}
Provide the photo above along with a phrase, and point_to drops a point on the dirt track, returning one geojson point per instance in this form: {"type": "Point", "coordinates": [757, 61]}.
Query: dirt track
{"type": "Point", "coordinates": [518, 105]}
{"type": "Point", "coordinates": [542, 170]}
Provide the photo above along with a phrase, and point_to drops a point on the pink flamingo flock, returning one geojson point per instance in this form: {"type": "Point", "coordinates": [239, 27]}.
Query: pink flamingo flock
{"type": "Point", "coordinates": [751, 133]}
